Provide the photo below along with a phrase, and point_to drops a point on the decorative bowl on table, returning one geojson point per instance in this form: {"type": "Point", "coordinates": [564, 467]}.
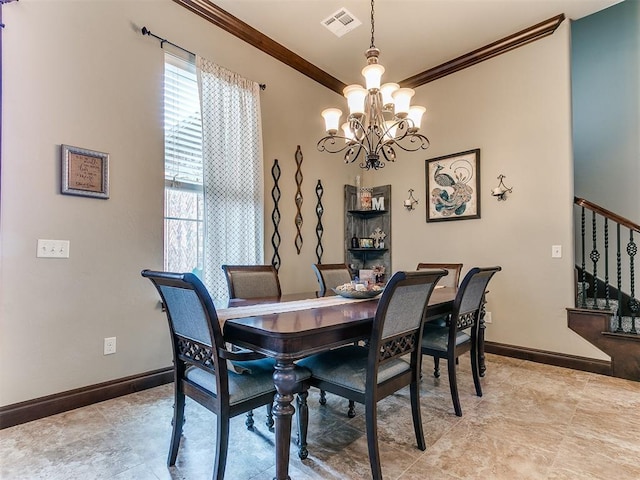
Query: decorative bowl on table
{"type": "Point", "coordinates": [358, 290]}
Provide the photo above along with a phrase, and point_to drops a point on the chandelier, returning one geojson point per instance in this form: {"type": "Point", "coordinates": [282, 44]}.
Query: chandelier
{"type": "Point", "coordinates": [380, 119]}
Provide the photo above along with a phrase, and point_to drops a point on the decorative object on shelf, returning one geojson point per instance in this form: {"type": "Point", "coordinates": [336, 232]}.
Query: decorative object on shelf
{"type": "Point", "coordinates": [453, 186]}
{"type": "Point", "coordinates": [378, 273]}
{"type": "Point", "coordinates": [501, 190]}
{"type": "Point", "coordinates": [366, 276]}
{"type": "Point", "coordinates": [377, 203]}
{"type": "Point", "coordinates": [275, 215]}
{"type": "Point", "coordinates": [378, 236]}
{"type": "Point", "coordinates": [84, 172]}
{"type": "Point", "coordinates": [410, 203]}
{"type": "Point", "coordinates": [365, 198]}
{"type": "Point", "coordinates": [355, 243]}
{"type": "Point", "coordinates": [380, 118]}
{"type": "Point", "coordinates": [298, 240]}
{"type": "Point", "coordinates": [366, 242]}
{"type": "Point", "coordinates": [319, 227]}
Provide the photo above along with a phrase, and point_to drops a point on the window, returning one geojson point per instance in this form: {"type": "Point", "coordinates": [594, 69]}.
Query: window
{"type": "Point", "coordinates": [183, 217]}
{"type": "Point", "coordinates": [213, 180]}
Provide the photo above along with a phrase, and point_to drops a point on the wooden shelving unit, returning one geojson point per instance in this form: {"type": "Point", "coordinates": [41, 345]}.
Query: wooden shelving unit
{"type": "Point", "coordinates": [362, 224]}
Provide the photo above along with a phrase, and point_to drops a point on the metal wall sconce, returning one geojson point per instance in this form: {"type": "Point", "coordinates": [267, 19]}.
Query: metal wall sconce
{"type": "Point", "coordinates": [501, 190]}
{"type": "Point", "coordinates": [410, 202]}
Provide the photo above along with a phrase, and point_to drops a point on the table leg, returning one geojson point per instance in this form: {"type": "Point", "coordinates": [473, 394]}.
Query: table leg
{"type": "Point", "coordinates": [284, 379]}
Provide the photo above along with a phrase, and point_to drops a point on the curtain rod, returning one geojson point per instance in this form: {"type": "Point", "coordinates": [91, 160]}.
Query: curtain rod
{"type": "Point", "coordinates": [2, 2]}
{"type": "Point", "coordinates": [146, 31]}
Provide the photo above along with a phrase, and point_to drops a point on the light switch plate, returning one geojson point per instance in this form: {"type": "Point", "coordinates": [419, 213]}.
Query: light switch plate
{"type": "Point", "coordinates": [556, 251]}
{"type": "Point", "coordinates": [53, 249]}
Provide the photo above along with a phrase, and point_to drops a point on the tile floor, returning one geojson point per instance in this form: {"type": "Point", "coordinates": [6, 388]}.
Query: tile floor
{"type": "Point", "coordinates": [534, 422]}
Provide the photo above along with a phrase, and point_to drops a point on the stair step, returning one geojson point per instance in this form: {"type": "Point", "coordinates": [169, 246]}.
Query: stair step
{"type": "Point", "coordinates": [626, 325]}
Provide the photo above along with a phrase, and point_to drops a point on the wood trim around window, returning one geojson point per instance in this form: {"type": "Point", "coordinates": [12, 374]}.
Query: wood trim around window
{"type": "Point", "coordinates": [223, 19]}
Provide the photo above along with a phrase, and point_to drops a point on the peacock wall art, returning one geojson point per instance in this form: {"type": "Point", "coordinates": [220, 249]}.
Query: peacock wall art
{"type": "Point", "coordinates": [453, 183]}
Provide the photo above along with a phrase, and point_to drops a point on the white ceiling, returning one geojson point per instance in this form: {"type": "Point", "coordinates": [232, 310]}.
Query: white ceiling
{"type": "Point", "coordinates": [413, 35]}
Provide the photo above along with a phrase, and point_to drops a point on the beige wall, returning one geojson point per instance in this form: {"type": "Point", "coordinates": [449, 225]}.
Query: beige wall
{"type": "Point", "coordinates": [80, 73]}
{"type": "Point", "coordinates": [516, 109]}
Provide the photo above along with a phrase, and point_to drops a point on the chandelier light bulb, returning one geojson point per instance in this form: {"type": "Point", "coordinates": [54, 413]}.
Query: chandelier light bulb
{"type": "Point", "coordinates": [348, 134]}
{"type": "Point", "coordinates": [373, 75]}
{"type": "Point", "coordinates": [402, 101]}
{"type": "Point", "coordinates": [356, 95]}
{"type": "Point", "coordinates": [331, 119]}
{"type": "Point", "coordinates": [390, 127]}
{"type": "Point", "coordinates": [415, 115]}
{"type": "Point", "coordinates": [387, 91]}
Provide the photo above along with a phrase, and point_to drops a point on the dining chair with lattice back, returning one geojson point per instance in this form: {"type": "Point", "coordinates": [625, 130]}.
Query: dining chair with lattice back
{"type": "Point", "coordinates": [451, 280]}
{"type": "Point", "coordinates": [461, 335]}
{"type": "Point", "coordinates": [390, 362]}
{"type": "Point", "coordinates": [330, 276]}
{"type": "Point", "coordinates": [252, 281]}
{"type": "Point", "coordinates": [201, 369]}
{"type": "Point", "coordinates": [454, 269]}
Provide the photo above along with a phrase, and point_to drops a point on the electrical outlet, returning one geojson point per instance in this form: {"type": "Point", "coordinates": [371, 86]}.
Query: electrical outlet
{"type": "Point", "coordinates": [487, 317]}
{"type": "Point", "coordinates": [109, 345]}
{"type": "Point", "coordinates": [556, 251]}
{"type": "Point", "coordinates": [53, 249]}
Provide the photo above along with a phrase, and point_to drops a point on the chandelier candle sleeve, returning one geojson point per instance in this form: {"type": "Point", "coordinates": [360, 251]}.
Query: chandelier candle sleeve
{"type": "Point", "coordinates": [332, 119]}
{"type": "Point", "coordinates": [381, 118]}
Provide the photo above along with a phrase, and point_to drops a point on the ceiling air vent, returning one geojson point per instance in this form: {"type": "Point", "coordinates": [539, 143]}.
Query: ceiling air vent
{"type": "Point", "coordinates": [341, 22]}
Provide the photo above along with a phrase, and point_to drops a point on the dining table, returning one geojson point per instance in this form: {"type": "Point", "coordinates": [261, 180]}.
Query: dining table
{"type": "Point", "coordinates": [296, 326]}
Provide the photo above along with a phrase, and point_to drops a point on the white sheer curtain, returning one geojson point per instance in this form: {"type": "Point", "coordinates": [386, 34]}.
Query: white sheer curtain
{"type": "Point", "coordinates": [233, 173]}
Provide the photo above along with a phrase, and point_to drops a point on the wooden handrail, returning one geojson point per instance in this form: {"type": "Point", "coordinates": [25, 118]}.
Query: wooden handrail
{"type": "Point", "coordinates": [606, 213]}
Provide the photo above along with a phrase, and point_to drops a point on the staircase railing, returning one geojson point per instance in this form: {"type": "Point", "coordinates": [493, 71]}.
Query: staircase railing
{"type": "Point", "coordinates": [594, 288]}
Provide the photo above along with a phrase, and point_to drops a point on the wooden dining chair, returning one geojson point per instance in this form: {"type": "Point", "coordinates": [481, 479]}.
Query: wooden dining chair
{"type": "Point", "coordinates": [390, 362]}
{"type": "Point", "coordinates": [200, 367]}
{"type": "Point", "coordinates": [451, 280]}
{"type": "Point", "coordinates": [454, 269]}
{"type": "Point", "coordinates": [330, 276]}
{"type": "Point", "coordinates": [462, 333]}
{"type": "Point", "coordinates": [252, 281]}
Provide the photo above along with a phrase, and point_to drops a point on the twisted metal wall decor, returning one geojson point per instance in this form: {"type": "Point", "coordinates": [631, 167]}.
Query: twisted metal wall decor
{"type": "Point", "coordinates": [298, 240]}
{"type": "Point", "coordinates": [319, 227]}
{"type": "Point", "coordinates": [275, 215]}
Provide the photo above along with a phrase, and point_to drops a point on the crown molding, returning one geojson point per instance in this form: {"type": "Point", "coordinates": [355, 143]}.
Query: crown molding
{"type": "Point", "coordinates": [528, 35]}
{"type": "Point", "coordinates": [224, 20]}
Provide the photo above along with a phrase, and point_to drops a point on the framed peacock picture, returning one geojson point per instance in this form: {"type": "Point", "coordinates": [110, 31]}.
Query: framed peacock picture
{"type": "Point", "coordinates": [453, 186]}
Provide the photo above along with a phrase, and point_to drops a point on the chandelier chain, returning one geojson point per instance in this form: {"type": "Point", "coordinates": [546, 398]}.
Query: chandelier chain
{"type": "Point", "coordinates": [372, 25]}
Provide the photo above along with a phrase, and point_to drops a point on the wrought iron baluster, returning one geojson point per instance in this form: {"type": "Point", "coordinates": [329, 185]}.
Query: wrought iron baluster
{"type": "Point", "coordinates": [594, 256]}
{"type": "Point", "coordinates": [619, 274]}
{"type": "Point", "coordinates": [606, 262]}
{"type": "Point", "coordinates": [634, 305]}
{"type": "Point", "coordinates": [583, 295]}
